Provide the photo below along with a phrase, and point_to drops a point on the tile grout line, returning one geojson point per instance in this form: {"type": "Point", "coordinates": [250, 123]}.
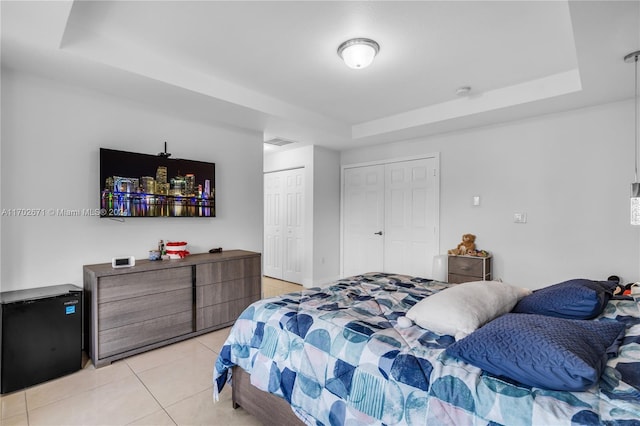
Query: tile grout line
{"type": "Point", "coordinates": [90, 389]}
{"type": "Point", "coordinates": [152, 396]}
{"type": "Point", "coordinates": [26, 407]}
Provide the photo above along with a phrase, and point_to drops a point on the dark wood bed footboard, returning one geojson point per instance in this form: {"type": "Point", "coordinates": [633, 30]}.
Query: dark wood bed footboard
{"type": "Point", "coordinates": [269, 409]}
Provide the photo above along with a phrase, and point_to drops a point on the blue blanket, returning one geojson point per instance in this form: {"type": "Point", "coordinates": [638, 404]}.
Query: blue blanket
{"type": "Point", "coordinates": [338, 357]}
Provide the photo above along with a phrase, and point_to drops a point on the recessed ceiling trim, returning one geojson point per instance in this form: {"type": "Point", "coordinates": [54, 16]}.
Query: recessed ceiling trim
{"type": "Point", "coordinates": [535, 90]}
{"type": "Point", "coordinates": [131, 58]}
{"type": "Point", "coordinates": [103, 49]}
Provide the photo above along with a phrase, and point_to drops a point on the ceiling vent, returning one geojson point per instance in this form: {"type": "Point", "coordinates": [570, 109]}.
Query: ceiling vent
{"type": "Point", "coordinates": [279, 141]}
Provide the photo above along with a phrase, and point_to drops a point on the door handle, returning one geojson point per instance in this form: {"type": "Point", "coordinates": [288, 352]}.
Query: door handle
{"type": "Point", "coordinates": [377, 233]}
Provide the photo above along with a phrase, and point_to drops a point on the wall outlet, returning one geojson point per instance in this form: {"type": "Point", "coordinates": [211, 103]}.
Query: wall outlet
{"type": "Point", "coordinates": [520, 218]}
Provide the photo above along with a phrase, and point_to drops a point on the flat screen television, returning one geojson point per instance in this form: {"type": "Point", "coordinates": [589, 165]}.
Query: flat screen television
{"type": "Point", "coordinates": [143, 185]}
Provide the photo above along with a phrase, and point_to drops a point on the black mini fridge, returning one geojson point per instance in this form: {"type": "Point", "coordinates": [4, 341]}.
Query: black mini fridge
{"type": "Point", "coordinates": [41, 335]}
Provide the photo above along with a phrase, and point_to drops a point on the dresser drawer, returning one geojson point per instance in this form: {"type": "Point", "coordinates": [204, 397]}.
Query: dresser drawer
{"type": "Point", "coordinates": [469, 268]}
{"type": "Point", "coordinates": [222, 313]}
{"type": "Point", "coordinates": [133, 336]}
{"type": "Point", "coordinates": [137, 284]}
{"type": "Point", "coordinates": [140, 309]}
{"type": "Point", "coordinates": [459, 279]}
{"type": "Point", "coordinates": [213, 294]}
{"type": "Point", "coordinates": [466, 266]}
{"type": "Point", "coordinates": [229, 270]}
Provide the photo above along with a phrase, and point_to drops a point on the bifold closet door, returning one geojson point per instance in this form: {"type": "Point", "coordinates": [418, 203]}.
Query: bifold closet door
{"type": "Point", "coordinates": [284, 249]}
{"type": "Point", "coordinates": [410, 217]}
{"type": "Point", "coordinates": [273, 224]}
{"type": "Point", "coordinates": [390, 218]}
{"type": "Point", "coordinates": [363, 220]}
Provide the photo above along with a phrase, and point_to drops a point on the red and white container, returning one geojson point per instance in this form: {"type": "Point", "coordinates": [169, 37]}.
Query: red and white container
{"type": "Point", "coordinates": [176, 249]}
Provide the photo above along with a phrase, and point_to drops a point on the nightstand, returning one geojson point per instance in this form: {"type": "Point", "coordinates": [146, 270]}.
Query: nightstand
{"type": "Point", "coordinates": [463, 269]}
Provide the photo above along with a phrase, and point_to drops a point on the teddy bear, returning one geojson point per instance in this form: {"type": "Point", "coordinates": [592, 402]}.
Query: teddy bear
{"type": "Point", "coordinates": [466, 246]}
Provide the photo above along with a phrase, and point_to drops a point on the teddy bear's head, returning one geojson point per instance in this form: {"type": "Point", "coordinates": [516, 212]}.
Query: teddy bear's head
{"type": "Point", "coordinates": [468, 238]}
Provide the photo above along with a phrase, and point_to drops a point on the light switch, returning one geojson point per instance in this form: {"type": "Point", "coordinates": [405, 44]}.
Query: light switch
{"type": "Point", "coordinates": [476, 200]}
{"type": "Point", "coordinates": [520, 218]}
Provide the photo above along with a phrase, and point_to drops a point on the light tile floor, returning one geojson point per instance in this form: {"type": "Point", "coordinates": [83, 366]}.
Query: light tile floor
{"type": "Point", "coordinates": [273, 287]}
{"type": "Point", "coordinates": [167, 386]}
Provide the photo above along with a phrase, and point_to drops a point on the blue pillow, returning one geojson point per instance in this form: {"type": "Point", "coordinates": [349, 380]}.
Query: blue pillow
{"type": "Point", "coordinates": [541, 351]}
{"type": "Point", "coordinates": [574, 299]}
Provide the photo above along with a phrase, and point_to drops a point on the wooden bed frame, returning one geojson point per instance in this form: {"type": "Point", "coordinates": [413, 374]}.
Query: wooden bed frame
{"type": "Point", "coordinates": [269, 409]}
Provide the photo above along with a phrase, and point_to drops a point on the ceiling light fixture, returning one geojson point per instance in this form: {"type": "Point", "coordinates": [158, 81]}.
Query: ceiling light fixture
{"type": "Point", "coordinates": [635, 186]}
{"type": "Point", "coordinates": [358, 53]}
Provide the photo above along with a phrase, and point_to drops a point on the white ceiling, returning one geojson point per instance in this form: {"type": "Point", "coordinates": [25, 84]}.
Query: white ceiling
{"type": "Point", "coordinates": [273, 66]}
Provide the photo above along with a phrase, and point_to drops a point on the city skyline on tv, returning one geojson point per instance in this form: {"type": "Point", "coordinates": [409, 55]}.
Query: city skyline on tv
{"type": "Point", "coordinates": [143, 185]}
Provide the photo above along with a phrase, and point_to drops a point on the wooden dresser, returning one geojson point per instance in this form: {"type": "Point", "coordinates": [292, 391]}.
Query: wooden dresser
{"type": "Point", "coordinates": [152, 304]}
{"type": "Point", "coordinates": [462, 269]}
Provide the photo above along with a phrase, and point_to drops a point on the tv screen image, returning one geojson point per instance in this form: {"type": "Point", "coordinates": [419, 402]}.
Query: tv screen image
{"type": "Point", "coordinates": [143, 185]}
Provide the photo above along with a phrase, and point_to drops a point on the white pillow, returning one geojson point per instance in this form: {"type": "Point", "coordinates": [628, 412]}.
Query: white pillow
{"type": "Point", "coordinates": [459, 310]}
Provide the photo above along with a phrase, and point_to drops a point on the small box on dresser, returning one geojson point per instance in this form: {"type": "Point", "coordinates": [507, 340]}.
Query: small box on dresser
{"type": "Point", "coordinates": [462, 269]}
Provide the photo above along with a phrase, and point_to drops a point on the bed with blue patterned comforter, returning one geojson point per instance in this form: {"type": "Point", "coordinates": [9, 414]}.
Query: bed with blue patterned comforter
{"type": "Point", "coordinates": [337, 356]}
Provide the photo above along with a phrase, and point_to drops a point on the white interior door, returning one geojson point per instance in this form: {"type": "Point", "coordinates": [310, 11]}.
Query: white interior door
{"type": "Point", "coordinates": [410, 227]}
{"type": "Point", "coordinates": [390, 218]}
{"type": "Point", "coordinates": [363, 219]}
{"type": "Point", "coordinates": [284, 230]}
{"type": "Point", "coordinates": [273, 224]}
{"type": "Point", "coordinates": [293, 257]}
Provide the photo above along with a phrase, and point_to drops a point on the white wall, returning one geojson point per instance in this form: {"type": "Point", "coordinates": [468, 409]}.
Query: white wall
{"type": "Point", "coordinates": [570, 173]}
{"type": "Point", "coordinates": [326, 224]}
{"type": "Point", "coordinates": [322, 208]}
{"type": "Point", "coordinates": [51, 136]}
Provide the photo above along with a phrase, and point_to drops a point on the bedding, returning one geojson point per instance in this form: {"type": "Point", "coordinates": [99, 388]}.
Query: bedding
{"type": "Point", "coordinates": [337, 356]}
{"type": "Point", "coordinates": [465, 306]}
{"type": "Point", "coordinates": [573, 299]}
{"type": "Point", "coordinates": [552, 353]}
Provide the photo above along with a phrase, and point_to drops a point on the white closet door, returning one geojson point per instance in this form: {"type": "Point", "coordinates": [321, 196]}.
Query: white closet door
{"type": "Point", "coordinates": [363, 220]}
{"type": "Point", "coordinates": [284, 227]}
{"type": "Point", "coordinates": [410, 217]}
{"type": "Point", "coordinates": [390, 215]}
{"type": "Point", "coordinates": [293, 258]}
{"type": "Point", "coordinates": [273, 224]}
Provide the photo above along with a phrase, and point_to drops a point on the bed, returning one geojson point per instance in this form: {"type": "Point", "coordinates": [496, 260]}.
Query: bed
{"type": "Point", "coordinates": [337, 355]}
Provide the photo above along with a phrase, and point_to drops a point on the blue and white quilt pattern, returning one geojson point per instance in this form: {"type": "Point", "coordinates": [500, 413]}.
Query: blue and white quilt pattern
{"type": "Point", "coordinates": [338, 357]}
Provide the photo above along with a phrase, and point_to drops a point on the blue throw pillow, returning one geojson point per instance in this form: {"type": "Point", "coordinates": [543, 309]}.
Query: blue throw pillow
{"type": "Point", "coordinates": [541, 351]}
{"type": "Point", "coordinates": [574, 299]}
